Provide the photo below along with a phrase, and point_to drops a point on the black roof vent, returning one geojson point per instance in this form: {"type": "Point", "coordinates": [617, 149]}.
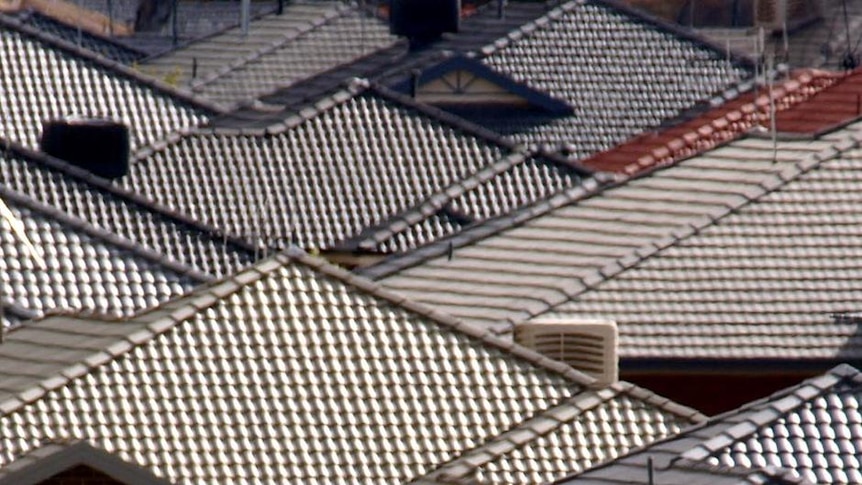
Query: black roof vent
{"type": "Point", "coordinates": [96, 145]}
{"type": "Point", "coordinates": [423, 20]}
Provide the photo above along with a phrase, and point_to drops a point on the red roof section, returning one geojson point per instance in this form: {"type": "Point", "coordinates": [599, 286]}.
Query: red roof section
{"type": "Point", "coordinates": [727, 122]}
{"type": "Point", "coordinates": [827, 110]}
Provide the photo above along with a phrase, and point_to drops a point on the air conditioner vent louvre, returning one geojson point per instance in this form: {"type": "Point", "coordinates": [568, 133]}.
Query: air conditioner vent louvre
{"type": "Point", "coordinates": [589, 346]}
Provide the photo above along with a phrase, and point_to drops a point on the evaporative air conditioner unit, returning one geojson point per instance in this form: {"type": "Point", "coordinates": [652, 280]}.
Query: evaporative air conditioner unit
{"type": "Point", "coordinates": [589, 346]}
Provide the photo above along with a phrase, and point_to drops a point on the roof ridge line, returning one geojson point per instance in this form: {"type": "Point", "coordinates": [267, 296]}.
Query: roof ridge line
{"type": "Point", "coordinates": [106, 237]}
{"type": "Point", "coordinates": [577, 286]}
{"type": "Point", "coordinates": [802, 393]}
{"type": "Point", "coordinates": [337, 11]}
{"type": "Point", "coordinates": [115, 67]}
{"type": "Point", "coordinates": [28, 14]}
{"type": "Point", "coordinates": [748, 113]}
{"type": "Point", "coordinates": [438, 200]}
{"type": "Point", "coordinates": [76, 173]}
{"type": "Point", "coordinates": [550, 418]}
{"type": "Point", "coordinates": [547, 419]}
{"type": "Point", "coordinates": [165, 316]}
{"type": "Point", "coordinates": [431, 204]}
{"type": "Point", "coordinates": [621, 8]}
{"type": "Point", "coordinates": [589, 187]}
{"type": "Point", "coordinates": [320, 265]}
{"type": "Point", "coordinates": [839, 372]}
{"type": "Point", "coordinates": [148, 324]}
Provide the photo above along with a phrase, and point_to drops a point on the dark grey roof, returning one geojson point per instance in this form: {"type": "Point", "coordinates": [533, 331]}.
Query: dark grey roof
{"type": "Point", "coordinates": [725, 255]}
{"type": "Point", "coordinates": [103, 46]}
{"type": "Point", "coordinates": [86, 269]}
{"type": "Point", "coordinates": [290, 371]}
{"type": "Point", "coordinates": [624, 74]}
{"type": "Point", "coordinates": [373, 154]}
{"type": "Point", "coordinates": [812, 431]}
{"type": "Point", "coordinates": [589, 428]}
{"type": "Point", "coordinates": [102, 204]}
{"type": "Point", "coordinates": [47, 78]}
{"type": "Point", "coordinates": [308, 38]}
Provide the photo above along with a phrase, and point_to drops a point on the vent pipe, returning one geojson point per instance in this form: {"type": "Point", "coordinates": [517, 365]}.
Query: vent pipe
{"type": "Point", "coordinates": [244, 15]}
{"type": "Point", "coordinates": [501, 9]}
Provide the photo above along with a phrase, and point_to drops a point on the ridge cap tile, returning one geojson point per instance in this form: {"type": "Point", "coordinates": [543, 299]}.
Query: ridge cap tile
{"type": "Point", "coordinates": [97, 359]}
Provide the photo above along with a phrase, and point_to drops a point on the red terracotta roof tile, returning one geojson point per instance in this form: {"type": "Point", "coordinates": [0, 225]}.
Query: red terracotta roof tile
{"type": "Point", "coordinates": [828, 108]}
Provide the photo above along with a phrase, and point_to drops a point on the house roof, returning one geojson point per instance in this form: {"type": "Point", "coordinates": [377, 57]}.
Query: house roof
{"type": "Point", "coordinates": [522, 264]}
{"type": "Point", "coordinates": [512, 182]}
{"type": "Point", "coordinates": [54, 458]}
{"type": "Point", "coordinates": [726, 122]}
{"type": "Point", "coordinates": [86, 268]}
{"type": "Point", "coordinates": [811, 431]}
{"type": "Point", "coordinates": [47, 78]}
{"type": "Point", "coordinates": [239, 380]}
{"type": "Point", "coordinates": [673, 257]}
{"type": "Point", "coordinates": [760, 281]}
{"type": "Point", "coordinates": [308, 38]}
{"type": "Point", "coordinates": [589, 428]}
{"type": "Point", "coordinates": [603, 73]}
{"type": "Point", "coordinates": [89, 198]}
{"type": "Point", "coordinates": [103, 46]}
{"type": "Point", "coordinates": [376, 154]}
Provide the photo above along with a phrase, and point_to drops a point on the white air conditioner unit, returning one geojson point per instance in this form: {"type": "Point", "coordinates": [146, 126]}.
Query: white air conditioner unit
{"type": "Point", "coordinates": [589, 346]}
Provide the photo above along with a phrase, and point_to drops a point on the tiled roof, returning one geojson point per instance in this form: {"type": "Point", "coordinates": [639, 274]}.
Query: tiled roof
{"type": "Point", "coordinates": [726, 122]}
{"type": "Point", "coordinates": [44, 78]}
{"type": "Point", "coordinates": [625, 74]}
{"type": "Point", "coordinates": [590, 428]}
{"type": "Point", "coordinates": [290, 371]}
{"type": "Point", "coordinates": [510, 183]}
{"type": "Point", "coordinates": [308, 38]}
{"type": "Point", "coordinates": [759, 281]}
{"type": "Point", "coordinates": [86, 268]}
{"type": "Point", "coordinates": [522, 264]}
{"type": "Point", "coordinates": [100, 45]}
{"type": "Point", "coordinates": [100, 203]}
{"type": "Point", "coordinates": [375, 154]}
{"type": "Point", "coordinates": [812, 431]}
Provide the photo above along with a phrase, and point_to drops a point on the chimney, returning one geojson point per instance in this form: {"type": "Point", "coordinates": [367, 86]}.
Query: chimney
{"type": "Point", "coordinates": [96, 145]}
{"type": "Point", "coordinates": [422, 21]}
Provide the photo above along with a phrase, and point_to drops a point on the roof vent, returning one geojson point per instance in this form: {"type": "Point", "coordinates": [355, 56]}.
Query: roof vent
{"type": "Point", "coordinates": [423, 20]}
{"type": "Point", "coordinates": [589, 346]}
{"type": "Point", "coordinates": [96, 145]}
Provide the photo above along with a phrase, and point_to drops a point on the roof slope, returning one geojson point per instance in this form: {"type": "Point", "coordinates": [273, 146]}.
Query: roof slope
{"type": "Point", "coordinates": [44, 79]}
{"type": "Point", "coordinates": [292, 370]}
{"type": "Point", "coordinates": [375, 154]}
{"type": "Point", "coordinates": [589, 428]}
{"type": "Point", "coordinates": [525, 263]}
{"type": "Point", "coordinates": [102, 204]}
{"type": "Point", "coordinates": [507, 185]}
{"type": "Point", "coordinates": [812, 431]}
{"type": "Point", "coordinates": [760, 282]}
{"type": "Point", "coordinates": [625, 74]}
{"type": "Point", "coordinates": [308, 38]}
{"type": "Point", "coordinates": [86, 268]}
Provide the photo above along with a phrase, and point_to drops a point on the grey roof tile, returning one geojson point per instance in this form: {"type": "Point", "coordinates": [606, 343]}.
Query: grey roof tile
{"type": "Point", "coordinates": [102, 204]}
{"type": "Point", "coordinates": [614, 228]}
{"type": "Point", "coordinates": [228, 387]}
{"type": "Point", "coordinates": [72, 82]}
{"type": "Point", "coordinates": [589, 428]}
{"type": "Point", "coordinates": [376, 155]}
{"type": "Point", "coordinates": [812, 439]}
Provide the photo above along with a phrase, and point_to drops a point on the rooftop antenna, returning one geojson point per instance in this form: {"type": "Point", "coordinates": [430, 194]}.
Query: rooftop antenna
{"type": "Point", "coordinates": [849, 61]}
{"type": "Point", "coordinates": [650, 471]}
{"type": "Point", "coordinates": [244, 14]}
{"type": "Point", "coordinates": [786, 42]}
{"type": "Point", "coordinates": [772, 125]}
